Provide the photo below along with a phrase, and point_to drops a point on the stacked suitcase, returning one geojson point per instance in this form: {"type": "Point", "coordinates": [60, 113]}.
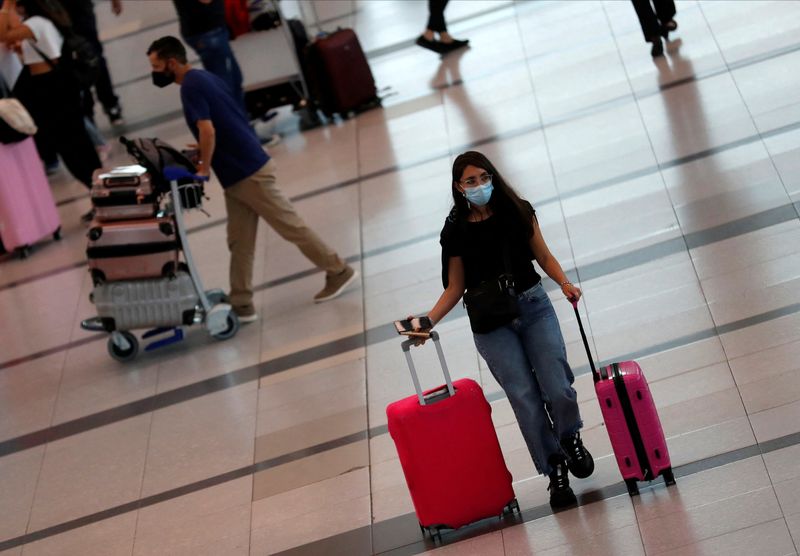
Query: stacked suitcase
{"type": "Point", "coordinates": [134, 255]}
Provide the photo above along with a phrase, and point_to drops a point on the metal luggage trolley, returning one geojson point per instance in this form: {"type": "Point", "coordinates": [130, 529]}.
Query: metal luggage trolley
{"type": "Point", "coordinates": [168, 304]}
{"type": "Point", "coordinates": [273, 72]}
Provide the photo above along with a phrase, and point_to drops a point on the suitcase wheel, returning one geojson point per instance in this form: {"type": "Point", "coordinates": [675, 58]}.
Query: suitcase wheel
{"type": "Point", "coordinates": [125, 352]}
{"type": "Point", "coordinates": [435, 531]}
{"type": "Point", "coordinates": [511, 507]}
{"type": "Point", "coordinates": [98, 277]}
{"type": "Point", "coordinates": [669, 476]}
{"type": "Point", "coordinates": [24, 252]}
{"type": "Point", "coordinates": [633, 487]}
{"type": "Point", "coordinates": [57, 234]}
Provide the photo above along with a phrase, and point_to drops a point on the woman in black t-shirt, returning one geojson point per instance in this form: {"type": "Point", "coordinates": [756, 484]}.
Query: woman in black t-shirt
{"type": "Point", "coordinates": [492, 232]}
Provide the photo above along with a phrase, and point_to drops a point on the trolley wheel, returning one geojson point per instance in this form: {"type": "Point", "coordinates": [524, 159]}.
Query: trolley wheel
{"type": "Point", "coordinates": [633, 487]}
{"type": "Point", "coordinates": [232, 328]}
{"type": "Point", "coordinates": [120, 354]}
{"type": "Point", "coordinates": [669, 476]}
{"type": "Point", "coordinates": [57, 234]}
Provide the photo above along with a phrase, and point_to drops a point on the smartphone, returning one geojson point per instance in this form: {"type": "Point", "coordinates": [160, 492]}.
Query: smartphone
{"type": "Point", "coordinates": [407, 327]}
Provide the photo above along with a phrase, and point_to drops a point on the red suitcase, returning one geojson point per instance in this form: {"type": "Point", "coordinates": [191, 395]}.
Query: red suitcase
{"type": "Point", "coordinates": [449, 452]}
{"type": "Point", "coordinates": [121, 195]}
{"type": "Point", "coordinates": [341, 80]}
{"type": "Point", "coordinates": [132, 249]}
{"type": "Point", "coordinates": [27, 210]}
{"type": "Point", "coordinates": [631, 420]}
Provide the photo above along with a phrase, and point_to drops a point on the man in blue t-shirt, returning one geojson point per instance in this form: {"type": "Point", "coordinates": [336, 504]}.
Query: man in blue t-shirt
{"type": "Point", "coordinates": [227, 144]}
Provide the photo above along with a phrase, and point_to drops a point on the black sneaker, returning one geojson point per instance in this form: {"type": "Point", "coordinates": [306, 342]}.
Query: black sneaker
{"type": "Point", "coordinates": [658, 47]}
{"type": "Point", "coordinates": [436, 46]}
{"type": "Point", "coordinates": [115, 115]}
{"type": "Point", "coordinates": [579, 460]}
{"type": "Point", "coordinates": [561, 495]}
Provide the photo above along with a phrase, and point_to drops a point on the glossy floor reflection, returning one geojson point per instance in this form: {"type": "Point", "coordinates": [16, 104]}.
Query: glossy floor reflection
{"type": "Point", "coordinates": [667, 188]}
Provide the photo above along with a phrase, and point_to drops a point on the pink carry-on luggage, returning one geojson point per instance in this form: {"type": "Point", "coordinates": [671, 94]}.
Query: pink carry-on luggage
{"type": "Point", "coordinates": [27, 209]}
{"type": "Point", "coordinates": [631, 420]}
{"type": "Point", "coordinates": [133, 249]}
{"type": "Point", "coordinates": [449, 452]}
{"type": "Point", "coordinates": [123, 195]}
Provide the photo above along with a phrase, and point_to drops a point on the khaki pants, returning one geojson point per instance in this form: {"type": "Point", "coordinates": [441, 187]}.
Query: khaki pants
{"type": "Point", "coordinates": [254, 197]}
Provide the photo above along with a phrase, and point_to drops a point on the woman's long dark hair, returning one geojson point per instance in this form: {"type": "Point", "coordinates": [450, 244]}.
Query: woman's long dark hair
{"type": "Point", "coordinates": [48, 9]}
{"type": "Point", "coordinates": [505, 202]}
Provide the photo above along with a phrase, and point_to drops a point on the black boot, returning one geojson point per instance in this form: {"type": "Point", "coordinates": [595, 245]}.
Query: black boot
{"type": "Point", "coordinates": [579, 460]}
{"type": "Point", "coordinates": [658, 47]}
{"type": "Point", "coordinates": [561, 495]}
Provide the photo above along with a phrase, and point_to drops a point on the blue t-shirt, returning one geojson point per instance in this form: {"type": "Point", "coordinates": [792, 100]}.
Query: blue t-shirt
{"type": "Point", "coordinates": [238, 153]}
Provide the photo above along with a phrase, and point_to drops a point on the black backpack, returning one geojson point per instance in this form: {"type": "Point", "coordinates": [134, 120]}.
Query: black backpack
{"type": "Point", "coordinates": [155, 155]}
{"type": "Point", "coordinates": [81, 58]}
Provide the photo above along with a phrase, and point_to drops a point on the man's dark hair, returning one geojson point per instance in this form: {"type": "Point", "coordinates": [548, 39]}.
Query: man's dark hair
{"type": "Point", "coordinates": [168, 47]}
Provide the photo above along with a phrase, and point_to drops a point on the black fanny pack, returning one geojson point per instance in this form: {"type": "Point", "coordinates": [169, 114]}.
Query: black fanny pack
{"type": "Point", "coordinates": [491, 305]}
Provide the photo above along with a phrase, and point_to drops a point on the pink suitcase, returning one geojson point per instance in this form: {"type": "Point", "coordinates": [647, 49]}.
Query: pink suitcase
{"type": "Point", "coordinates": [631, 420]}
{"type": "Point", "coordinates": [133, 249]}
{"type": "Point", "coordinates": [449, 452]}
{"type": "Point", "coordinates": [123, 197]}
{"type": "Point", "coordinates": [27, 209]}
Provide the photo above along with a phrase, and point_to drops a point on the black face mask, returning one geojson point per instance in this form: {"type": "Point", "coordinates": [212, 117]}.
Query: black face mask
{"type": "Point", "coordinates": [161, 78]}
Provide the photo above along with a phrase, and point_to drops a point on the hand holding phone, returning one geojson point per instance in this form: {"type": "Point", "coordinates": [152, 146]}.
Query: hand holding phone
{"type": "Point", "coordinates": [414, 326]}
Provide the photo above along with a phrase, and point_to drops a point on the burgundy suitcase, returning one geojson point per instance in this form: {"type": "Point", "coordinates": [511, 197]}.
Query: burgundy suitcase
{"type": "Point", "coordinates": [27, 210]}
{"type": "Point", "coordinates": [123, 197]}
{"type": "Point", "coordinates": [339, 74]}
{"type": "Point", "coordinates": [631, 420]}
{"type": "Point", "coordinates": [449, 452]}
{"type": "Point", "coordinates": [132, 249]}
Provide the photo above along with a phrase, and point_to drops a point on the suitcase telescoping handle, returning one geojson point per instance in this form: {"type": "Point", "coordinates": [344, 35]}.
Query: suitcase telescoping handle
{"type": "Point", "coordinates": [423, 400]}
{"type": "Point", "coordinates": [595, 374]}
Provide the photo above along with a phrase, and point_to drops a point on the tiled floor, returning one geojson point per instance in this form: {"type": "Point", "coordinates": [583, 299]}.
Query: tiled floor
{"type": "Point", "coordinates": [668, 188]}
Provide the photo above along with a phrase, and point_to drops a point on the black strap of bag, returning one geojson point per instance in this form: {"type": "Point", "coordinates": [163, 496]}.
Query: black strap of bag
{"type": "Point", "coordinates": [85, 63]}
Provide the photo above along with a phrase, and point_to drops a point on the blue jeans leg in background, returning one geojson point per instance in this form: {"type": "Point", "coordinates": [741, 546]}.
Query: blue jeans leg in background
{"type": "Point", "coordinates": [214, 49]}
{"type": "Point", "coordinates": [529, 360]}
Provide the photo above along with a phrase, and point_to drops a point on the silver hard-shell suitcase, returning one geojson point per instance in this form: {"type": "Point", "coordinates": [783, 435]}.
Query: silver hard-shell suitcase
{"type": "Point", "coordinates": [132, 304]}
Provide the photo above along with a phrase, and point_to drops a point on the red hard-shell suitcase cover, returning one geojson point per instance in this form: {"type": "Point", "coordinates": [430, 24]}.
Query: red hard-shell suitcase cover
{"type": "Point", "coordinates": [451, 457]}
{"type": "Point", "coordinates": [646, 415]}
{"type": "Point", "coordinates": [346, 69]}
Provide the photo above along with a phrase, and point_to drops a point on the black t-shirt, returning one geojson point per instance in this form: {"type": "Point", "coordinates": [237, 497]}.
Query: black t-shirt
{"type": "Point", "coordinates": [197, 18]}
{"type": "Point", "coordinates": [480, 246]}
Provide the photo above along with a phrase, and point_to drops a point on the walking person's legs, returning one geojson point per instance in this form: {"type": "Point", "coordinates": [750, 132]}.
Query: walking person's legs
{"type": "Point", "coordinates": [504, 353]}
{"type": "Point", "coordinates": [241, 229]}
{"type": "Point", "coordinates": [651, 28]}
{"type": "Point", "coordinates": [214, 49]}
{"type": "Point", "coordinates": [438, 26]}
{"type": "Point", "coordinates": [86, 26]}
{"type": "Point", "coordinates": [261, 194]}
{"type": "Point", "coordinates": [545, 349]}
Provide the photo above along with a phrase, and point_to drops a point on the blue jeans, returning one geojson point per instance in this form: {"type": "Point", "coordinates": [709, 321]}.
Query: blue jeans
{"type": "Point", "coordinates": [214, 49]}
{"type": "Point", "coordinates": [529, 360]}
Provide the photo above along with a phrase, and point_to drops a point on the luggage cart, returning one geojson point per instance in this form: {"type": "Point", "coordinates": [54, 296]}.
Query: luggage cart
{"type": "Point", "coordinates": [273, 72]}
{"type": "Point", "coordinates": [163, 305]}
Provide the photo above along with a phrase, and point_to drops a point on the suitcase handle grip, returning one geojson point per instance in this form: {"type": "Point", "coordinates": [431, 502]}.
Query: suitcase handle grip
{"type": "Point", "coordinates": [595, 374]}
{"type": "Point", "coordinates": [406, 345]}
